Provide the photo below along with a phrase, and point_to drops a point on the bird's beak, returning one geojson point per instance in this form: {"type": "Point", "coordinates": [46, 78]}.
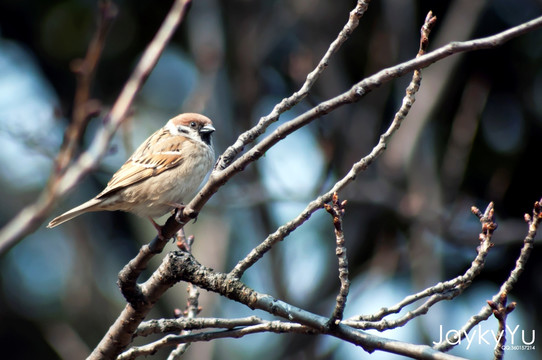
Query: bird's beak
{"type": "Point", "coordinates": [205, 133]}
{"type": "Point", "coordinates": [207, 129]}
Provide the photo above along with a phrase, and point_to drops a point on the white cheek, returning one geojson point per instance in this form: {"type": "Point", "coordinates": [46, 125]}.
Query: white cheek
{"type": "Point", "coordinates": [172, 128]}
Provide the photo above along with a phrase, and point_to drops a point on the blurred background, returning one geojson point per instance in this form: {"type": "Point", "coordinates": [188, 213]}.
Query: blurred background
{"type": "Point", "coordinates": [471, 138]}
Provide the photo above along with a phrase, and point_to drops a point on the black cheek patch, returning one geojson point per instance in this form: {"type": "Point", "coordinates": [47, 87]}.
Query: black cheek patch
{"type": "Point", "coordinates": [206, 138]}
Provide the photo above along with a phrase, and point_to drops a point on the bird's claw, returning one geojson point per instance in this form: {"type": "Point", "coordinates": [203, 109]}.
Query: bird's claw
{"type": "Point", "coordinates": [179, 214]}
{"type": "Point", "coordinates": [158, 228]}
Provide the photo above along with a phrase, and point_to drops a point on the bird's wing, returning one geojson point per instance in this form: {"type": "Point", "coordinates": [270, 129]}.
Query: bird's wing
{"type": "Point", "coordinates": [157, 154]}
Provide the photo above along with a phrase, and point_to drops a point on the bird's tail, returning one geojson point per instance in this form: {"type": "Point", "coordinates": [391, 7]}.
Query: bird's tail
{"type": "Point", "coordinates": [91, 205]}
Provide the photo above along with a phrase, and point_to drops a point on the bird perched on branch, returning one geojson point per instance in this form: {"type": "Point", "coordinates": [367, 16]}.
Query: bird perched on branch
{"type": "Point", "coordinates": [160, 175]}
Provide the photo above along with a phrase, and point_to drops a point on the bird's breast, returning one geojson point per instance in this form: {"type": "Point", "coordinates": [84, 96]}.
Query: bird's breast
{"type": "Point", "coordinates": [159, 194]}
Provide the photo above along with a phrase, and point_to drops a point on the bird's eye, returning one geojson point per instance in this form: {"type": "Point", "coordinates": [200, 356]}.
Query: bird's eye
{"type": "Point", "coordinates": [193, 124]}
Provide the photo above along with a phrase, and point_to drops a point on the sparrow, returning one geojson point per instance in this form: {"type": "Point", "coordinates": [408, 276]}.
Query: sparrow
{"type": "Point", "coordinates": [165, 170]}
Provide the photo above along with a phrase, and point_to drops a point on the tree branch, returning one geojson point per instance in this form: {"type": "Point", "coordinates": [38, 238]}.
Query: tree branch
{"type": "Point", "coordinates": [249, 136]}
{"type": "Point", "coordinates": [181, 266]}
{"type": "Point", "coordinates": [228, 285]}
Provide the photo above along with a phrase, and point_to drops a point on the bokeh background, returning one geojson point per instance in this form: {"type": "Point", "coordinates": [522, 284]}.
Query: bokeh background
{"type": "Point", "coordinates": [472, 137]}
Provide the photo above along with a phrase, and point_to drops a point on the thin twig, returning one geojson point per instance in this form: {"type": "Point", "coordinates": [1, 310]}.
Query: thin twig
{"type": "Point", "coordinates": [385, 324]}
{"type": "Point", "coordinates": [533, 222]}
{"type": "Point", "coordinates": [160, 326]}
{"type": "Point", "coordinates": [278, 327]}
{"type": "Point", "coordinates": [192, 307]}
{"type": "Point", "coordinates": [336, 209]}
{"type": "Point", "coordinates": [84, 70]}
{"type": "Point", "coordinates": [501, 311]}
{"type": "Point", "coordinates": [31, 216]}
{"type": "Point", "coordinates": [442, 291]}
